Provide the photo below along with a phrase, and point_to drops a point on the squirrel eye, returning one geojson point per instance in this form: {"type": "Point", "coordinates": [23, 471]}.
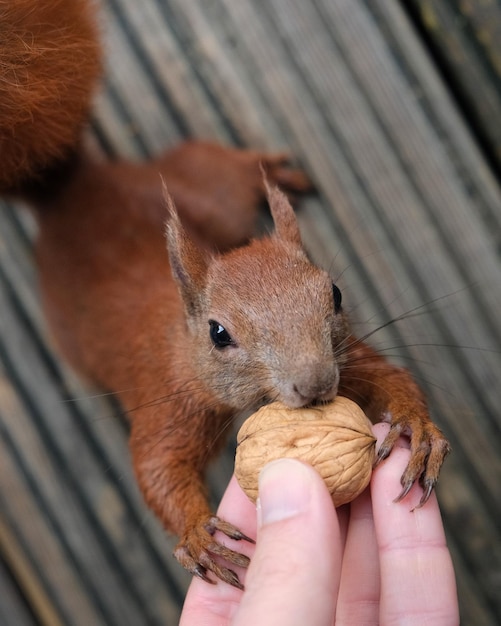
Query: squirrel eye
{"type": "Point", "coordinates": [336, 294]}
{"type": "Point", "coordinates": [219, 335]}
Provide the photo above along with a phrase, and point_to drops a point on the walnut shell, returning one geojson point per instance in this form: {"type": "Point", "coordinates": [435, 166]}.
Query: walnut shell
{"type": "Point", "coordinates": [336, 439]}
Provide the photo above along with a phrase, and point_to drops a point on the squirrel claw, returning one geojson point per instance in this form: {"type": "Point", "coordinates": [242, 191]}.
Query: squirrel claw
{"type": "Point", "coordinates": [428, 451]}
{"type": "Point", "coordinates": [201, 554]}
{"type": "Point", "coordinates": [428, 487]}
{"type": "Point", "coordinates": [404, 492]}
{"type": "Point", "coordinates": [215, 523]}
{"type": "Point", "coordinates": [225, 574]}
{"type": "Point", "coordinates": [388, 444]}
{"type": "Point", "coordinates": [231, 578]}
{"type": "Point", "coordinates": [427, 491]}
{"type": "Point", "coordinates": [201, 572]}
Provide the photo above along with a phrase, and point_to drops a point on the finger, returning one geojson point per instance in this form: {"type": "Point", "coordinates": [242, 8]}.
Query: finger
{"type": "Point", "coordinates": [358, 600]}
{"type": "Point", "coordinates": [211, 605]}
{"type": "Point", "coordinates": [235, 507]}
{"type": "Point", "coordinates": [294, 574]}
{"type": "Point", "coordinates": [417, 577]}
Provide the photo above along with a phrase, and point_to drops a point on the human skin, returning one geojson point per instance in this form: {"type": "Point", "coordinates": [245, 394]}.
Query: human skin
{"type": "Point", "coordinates": [379, 562]}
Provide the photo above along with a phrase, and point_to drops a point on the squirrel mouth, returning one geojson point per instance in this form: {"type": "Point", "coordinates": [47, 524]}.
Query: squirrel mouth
{"type": "Point", "coordinates": [294, 399]}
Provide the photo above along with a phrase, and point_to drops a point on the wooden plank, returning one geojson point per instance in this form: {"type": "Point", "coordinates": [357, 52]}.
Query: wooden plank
{"type": "Point", "coordinates": [464, 38]}
{"type": "Point", "coordinates": [85, 485]}
{"type": "Point", "coordinates": [35, 595]}
{"type": "Point", "coordinates": [58, 588]}
{"type": "Point", "coordinates": [14, 610]}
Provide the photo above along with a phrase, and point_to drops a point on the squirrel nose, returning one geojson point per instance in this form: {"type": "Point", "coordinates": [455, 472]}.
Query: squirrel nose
{"type": "Point", "coordinates": [311, 387]}
{"type": "Point", "coordinates": [307, 395]}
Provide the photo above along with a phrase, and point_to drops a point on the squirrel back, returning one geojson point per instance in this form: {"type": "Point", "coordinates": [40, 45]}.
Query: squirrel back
{"type": "Point", "coordinates": [50, 62]}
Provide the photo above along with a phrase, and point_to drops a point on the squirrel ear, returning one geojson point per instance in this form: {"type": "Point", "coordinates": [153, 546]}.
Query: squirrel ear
{"type": "Point", "coordinates": [284, 218]}
{"type": "Point", "coordinates": [188, 263]}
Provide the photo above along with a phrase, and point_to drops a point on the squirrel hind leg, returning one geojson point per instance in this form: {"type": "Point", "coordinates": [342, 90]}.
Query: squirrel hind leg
{"type": "Point", "coordinates": [218, 190]}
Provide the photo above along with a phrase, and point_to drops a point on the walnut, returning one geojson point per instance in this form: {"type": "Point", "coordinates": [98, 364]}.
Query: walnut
{"type": "Point", "coordinates": [336, 439]}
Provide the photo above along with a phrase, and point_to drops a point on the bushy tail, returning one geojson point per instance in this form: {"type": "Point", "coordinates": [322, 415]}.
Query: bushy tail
{"type": "Point", "coordinates": [50, 62]}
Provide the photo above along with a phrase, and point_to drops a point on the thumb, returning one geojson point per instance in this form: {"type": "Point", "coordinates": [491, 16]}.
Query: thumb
{"type": "Point", "coordinates": [294, 574]}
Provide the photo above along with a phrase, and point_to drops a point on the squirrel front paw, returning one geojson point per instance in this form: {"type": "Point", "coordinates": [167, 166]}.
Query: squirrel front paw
{"type": "Point", "coordinates": [199, 552]}
{"type": "Point", "coordinates": [429, 448]}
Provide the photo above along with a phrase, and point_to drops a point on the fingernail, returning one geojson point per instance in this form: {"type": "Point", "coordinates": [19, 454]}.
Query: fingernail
{"type": "Point", "coordinates": [284, 490]}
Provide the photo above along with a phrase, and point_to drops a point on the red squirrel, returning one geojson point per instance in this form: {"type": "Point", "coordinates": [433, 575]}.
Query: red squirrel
{"type": "Point", "coordinates": [167, 300]}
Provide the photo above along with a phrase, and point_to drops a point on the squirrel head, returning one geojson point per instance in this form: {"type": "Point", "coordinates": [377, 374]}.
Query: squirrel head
{"type": "Point", "coordinates": [263, 322]}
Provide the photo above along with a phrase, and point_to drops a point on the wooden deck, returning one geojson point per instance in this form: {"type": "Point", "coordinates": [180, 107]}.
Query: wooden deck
{"type": "Point", "coordinates": [393, 108]}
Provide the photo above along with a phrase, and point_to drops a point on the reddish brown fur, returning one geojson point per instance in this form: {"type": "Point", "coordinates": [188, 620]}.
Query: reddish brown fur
{"type": "Point", "coordinates": [140, 328]}
{"type": "Point", "coordinates": [49, 60]}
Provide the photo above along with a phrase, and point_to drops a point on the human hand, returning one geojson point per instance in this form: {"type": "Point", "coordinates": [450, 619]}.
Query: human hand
{"type": "Point", "coordinates": [377, 562]}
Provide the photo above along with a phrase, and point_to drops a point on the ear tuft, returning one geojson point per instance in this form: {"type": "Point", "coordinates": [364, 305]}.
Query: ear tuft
{"type": "Point", "coordinates": [188, 262]}
{"type": "Point", "coordinates": [284, 218]}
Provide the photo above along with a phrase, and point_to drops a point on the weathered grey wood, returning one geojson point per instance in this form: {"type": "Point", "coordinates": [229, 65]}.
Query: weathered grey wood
{"type": "Point", "coordinates": [73, 456]}
{"type": "Point", "coordinates": [465, 40]}
{"type": "Point", "coordinates": [14, 608]}
{"type": "Point", "coordinates": [407, 217]}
